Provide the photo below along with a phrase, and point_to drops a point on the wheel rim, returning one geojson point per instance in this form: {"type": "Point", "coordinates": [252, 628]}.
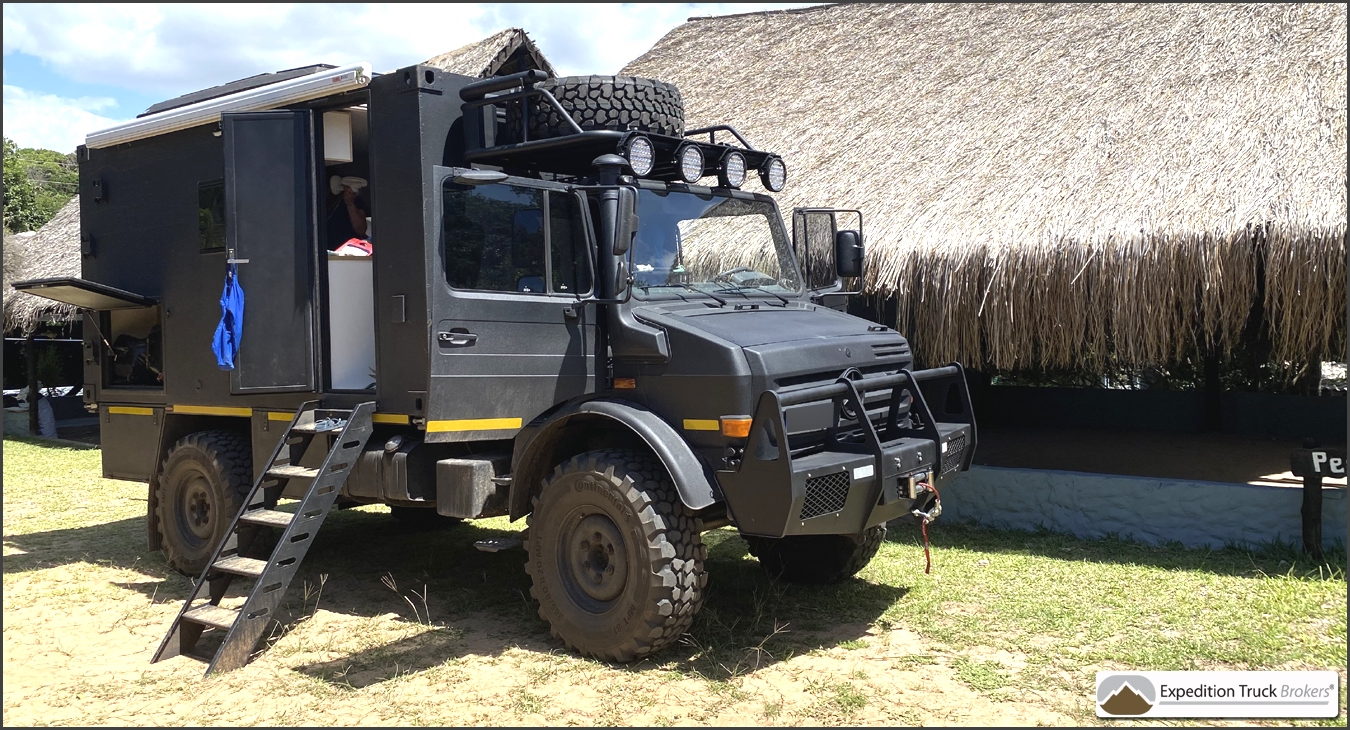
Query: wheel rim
{"type": "Point", "coordinates": [594, 560]}
{"type": "Point", "coordinates": [196, 511]}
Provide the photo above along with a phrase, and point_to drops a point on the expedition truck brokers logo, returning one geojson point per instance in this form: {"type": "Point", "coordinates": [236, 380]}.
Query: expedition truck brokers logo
{"type": "Point", "coordinates": [1218, 694]}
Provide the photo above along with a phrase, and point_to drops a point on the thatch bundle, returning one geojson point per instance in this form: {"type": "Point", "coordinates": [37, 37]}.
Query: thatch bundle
{"type": "Point", "coordinates": [1047, 185]}
{"type": "Point", "coordinates": [54, 250]}
{"type": "Point", "coordinates": [502, 53]}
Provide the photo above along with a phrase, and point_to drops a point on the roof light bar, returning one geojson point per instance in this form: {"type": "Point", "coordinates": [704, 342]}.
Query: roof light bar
{"type": "Point", "coordinates": [732, 174]}
{"type": "Point", "coordinates": [641, 155]}
{"type": "Point", "coordinates": [690, 158]}
{"type": "Point", "coordinates": [773, 174]}
{"type": "Point", "coordinates": [314, 86]}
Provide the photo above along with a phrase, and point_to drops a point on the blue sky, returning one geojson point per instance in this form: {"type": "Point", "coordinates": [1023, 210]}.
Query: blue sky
{"type": "Point", "coordinates": [71, 69]}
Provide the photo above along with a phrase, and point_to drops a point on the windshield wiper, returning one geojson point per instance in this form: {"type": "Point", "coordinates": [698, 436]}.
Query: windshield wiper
{"type": "Point", "coordinates": [683, 285]}
{"type": "Point", "coordinates": [738, 289]}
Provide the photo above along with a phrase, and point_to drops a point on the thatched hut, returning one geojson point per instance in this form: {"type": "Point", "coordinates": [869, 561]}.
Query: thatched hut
{"type": "Point", "coordinates": [1056, 185]}
{"type": "Point", "coordinates": [55, 249]}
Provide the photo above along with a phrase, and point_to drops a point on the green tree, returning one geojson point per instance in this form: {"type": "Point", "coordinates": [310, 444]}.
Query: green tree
{"type": "Point", "coordinates": [21, 211]}
{"type": "Point", "coordinates": [54, 177]}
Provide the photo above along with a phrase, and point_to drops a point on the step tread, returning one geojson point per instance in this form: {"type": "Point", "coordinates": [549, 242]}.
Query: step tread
{"type": "Point", "coordinates": [240, 565]}
{"type": "Point", "coordinates": [270, 517]}
{"type": "Point", "coordinates": [212, 615]}
{"type": "Point", "coordinates": [291, 472]}
{"type": "Point", "coordinates": [324, 426]}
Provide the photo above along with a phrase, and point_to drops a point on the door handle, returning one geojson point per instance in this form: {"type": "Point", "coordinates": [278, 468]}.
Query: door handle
{"type": "Point", "coordinates": [456, 338]}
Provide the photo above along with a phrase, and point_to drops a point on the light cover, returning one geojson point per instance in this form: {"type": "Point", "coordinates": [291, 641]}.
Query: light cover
{"type": "Point", "coordinates": [733, 170]}
{"type": "Point", "coordinates": [691, 163]}
{"type": "Point", "coordinates": [641, 156]}
{"type": "Point", "coordinates": [773, 174]}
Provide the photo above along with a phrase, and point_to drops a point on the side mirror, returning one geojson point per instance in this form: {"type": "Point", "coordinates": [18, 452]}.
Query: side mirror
{"type": "Point", "coordinates": [848, 254]}
{"type": "Point", "coordinates": [626, 223]}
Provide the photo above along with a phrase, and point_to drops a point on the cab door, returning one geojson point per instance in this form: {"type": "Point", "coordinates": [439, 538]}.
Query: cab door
{"type": "Point", "coordinates": [509, 339]}
{"type": "Point", "coordinates": [270, 232]}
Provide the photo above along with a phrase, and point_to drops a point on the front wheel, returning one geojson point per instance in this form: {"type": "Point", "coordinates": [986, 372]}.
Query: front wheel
{"type": "Point", "coordinates": [816, 558]}
{"type": "Point", "coordinates": [615, 558]}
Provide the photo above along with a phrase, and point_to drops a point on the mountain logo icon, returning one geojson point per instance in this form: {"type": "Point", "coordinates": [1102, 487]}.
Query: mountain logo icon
{"type": "Point", "coordinates": [1126, 694]}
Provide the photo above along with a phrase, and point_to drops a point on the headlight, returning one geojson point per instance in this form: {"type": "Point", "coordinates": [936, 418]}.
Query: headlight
{"type": "Point", "coordinates": [773, 173]}
{"type": "Point", "coordinates": [733, 170]}
{"type": "Point", "coordinates": [691, 163]}
{"type": "Point", "coordinates": [641, 156]}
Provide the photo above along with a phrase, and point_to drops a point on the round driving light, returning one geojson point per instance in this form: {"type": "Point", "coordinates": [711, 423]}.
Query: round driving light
{"type": "Point", "coordinates": [733, 170]}
{"type": "Point", "coordinates": [773, 174]}
{"type": "Point", "coordinates": [691, 163]}
{"type": "Point", "coordinates": [641, 156]}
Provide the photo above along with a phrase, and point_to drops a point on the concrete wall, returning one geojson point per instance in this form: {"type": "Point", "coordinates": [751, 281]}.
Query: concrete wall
{"type": "Point", "coordinates": [1145, 509]}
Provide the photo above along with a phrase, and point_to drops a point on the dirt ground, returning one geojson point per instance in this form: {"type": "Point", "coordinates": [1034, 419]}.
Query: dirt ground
{"type": "Point", "coordinates": [389, 627]}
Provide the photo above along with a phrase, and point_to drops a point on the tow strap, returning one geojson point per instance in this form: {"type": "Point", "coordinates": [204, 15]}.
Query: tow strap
{"type": "Point", "coordinates": [926, 516]}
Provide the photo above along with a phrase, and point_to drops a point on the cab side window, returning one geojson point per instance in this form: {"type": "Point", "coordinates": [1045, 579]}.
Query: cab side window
{"type": "Point", "coordinates": [496, 238]}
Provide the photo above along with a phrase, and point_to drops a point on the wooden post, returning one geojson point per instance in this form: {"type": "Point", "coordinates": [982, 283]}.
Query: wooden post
{"type": "Point", "coordinates": [30, 354]}
{"type": "Point", "coordinates": [1213, 420]}
{"type": "Point", "coordinates": [1312, 515]}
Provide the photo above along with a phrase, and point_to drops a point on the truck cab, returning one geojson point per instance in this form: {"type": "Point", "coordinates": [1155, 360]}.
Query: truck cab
{"type": "Point", "coordinates": [581, 320]}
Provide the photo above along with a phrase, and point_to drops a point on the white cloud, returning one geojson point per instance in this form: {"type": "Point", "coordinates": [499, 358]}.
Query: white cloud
{"type": "Point", "coordinates": [52, 122]}
{"type": "Point", "coordinates": [174, 49]}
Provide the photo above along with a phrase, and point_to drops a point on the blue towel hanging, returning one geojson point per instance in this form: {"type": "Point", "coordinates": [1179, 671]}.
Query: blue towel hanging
{"type": "Point", "coordinates": [231, 328]}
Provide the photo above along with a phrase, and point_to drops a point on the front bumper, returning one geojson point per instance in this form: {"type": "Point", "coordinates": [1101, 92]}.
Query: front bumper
{"type": "Point", "coordinates": [811, 466]}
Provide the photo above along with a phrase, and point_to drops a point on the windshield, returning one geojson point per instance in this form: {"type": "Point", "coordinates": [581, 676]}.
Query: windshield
{"type": "Point", "coordinates": [711, 245]}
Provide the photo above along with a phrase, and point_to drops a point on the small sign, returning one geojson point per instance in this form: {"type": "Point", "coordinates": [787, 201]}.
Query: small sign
{"type": "Point", "coordinates": [1318, 463]}
{"type": "Point", "coordinates": [1274, 694]}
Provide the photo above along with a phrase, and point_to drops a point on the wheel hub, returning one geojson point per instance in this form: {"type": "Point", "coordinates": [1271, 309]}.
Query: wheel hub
{"type": "Point", "coordinates": [597, 558]}
{"type": "Point", "coordinates": [197, 512]}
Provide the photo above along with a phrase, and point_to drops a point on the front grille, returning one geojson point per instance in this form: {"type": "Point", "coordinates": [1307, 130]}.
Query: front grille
{"type": "Point", "coordinates": [825, 494]}
{"type": "Point", "coordinates": [956, 452]}
{"type": "Point", "coordinates": [887, 350]}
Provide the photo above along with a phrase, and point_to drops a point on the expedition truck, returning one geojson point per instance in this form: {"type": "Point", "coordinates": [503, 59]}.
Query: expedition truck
{"type": "Point", "coordinates": [573, 311]}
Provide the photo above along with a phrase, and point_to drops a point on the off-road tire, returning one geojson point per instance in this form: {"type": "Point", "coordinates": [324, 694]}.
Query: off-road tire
{"type": "Point", "coordinates": [649, 557]}
{"type": "Point", "coordinates": [202, 483]}
{"type": "Point", "coordinates": [617, 103]}
{"type": "Point", "coordinates": [816, 558]}
{"type": "Point", "coordinates": [421, 518]}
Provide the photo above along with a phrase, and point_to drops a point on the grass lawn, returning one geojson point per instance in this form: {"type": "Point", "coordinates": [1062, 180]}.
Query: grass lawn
{"type": "Point", "coordinates": [1010, 628]}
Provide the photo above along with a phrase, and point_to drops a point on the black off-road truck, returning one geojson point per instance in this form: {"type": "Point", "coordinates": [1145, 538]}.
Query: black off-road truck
{"type": "Point", "coordinates": [575, 312]}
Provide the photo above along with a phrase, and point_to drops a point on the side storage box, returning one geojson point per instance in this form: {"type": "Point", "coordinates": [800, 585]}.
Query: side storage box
{"type": "Point", "coordinates": [129, 436]}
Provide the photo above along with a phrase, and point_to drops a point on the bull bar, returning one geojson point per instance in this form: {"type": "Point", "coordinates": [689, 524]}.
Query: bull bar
{"type": "Point", "coordinates": [854, 467]}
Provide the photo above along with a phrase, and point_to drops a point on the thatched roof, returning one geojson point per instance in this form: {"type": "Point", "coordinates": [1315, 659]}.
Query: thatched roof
{"type": "Point", "coordinates": [54, 250]}
{"type": "Point", "coordinates": [1043, 184]}
{"type": "Point", "coordinates": [500, 54]}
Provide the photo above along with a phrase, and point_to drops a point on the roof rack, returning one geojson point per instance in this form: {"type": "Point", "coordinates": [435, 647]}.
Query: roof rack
{"type": "Point", "coordinates": [489, 142]}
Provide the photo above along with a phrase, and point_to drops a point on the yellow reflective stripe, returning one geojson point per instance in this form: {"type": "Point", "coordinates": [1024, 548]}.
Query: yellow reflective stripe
{"type": "Point", "coordinates": [212, 411]}
{"type": "Point", "coordinates": [279, 416]}
{"type": "Point", "coordinates": [131, 411]}
{"type": "Point", "coordinates": [473, 424]}
{"type": "Point", "coordinates": [390, 418]}
{"type": "Point", "coordinates": [699, 424]}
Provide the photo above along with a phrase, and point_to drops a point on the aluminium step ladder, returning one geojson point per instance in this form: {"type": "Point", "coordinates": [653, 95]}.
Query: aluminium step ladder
{"type": "Point", "coordinates": [242, 627]}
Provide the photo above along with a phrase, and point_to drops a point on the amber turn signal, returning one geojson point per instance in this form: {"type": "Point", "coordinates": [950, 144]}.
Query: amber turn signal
{"type": "Point", "coordinates": [625, 383]}
{"type": "Point", "coordinates": [737, 427]}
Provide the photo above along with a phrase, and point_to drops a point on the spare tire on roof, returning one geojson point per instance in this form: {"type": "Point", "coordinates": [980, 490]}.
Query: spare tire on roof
{"type": "Point", "coordinates": [618, 103]}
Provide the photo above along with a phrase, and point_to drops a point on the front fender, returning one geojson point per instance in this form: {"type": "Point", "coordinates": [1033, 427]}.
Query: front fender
{"type": "Point", "coordinates": [537, 449]}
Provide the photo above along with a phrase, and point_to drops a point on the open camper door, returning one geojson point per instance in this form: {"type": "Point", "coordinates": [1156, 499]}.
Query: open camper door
{"type": "Point", "coordinates": [270, 231]}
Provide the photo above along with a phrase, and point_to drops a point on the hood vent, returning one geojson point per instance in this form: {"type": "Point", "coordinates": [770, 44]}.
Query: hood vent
{"type": "Point", "coordinates": [891, 349]}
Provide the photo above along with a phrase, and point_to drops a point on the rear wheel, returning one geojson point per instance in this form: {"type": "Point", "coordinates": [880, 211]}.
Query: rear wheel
{"type": "Point", "coordinates": [615, 558]}
{"type": "Point", "coordinates": [817, 558]}
{"type": "Point", "coordinates": [202, 484]}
